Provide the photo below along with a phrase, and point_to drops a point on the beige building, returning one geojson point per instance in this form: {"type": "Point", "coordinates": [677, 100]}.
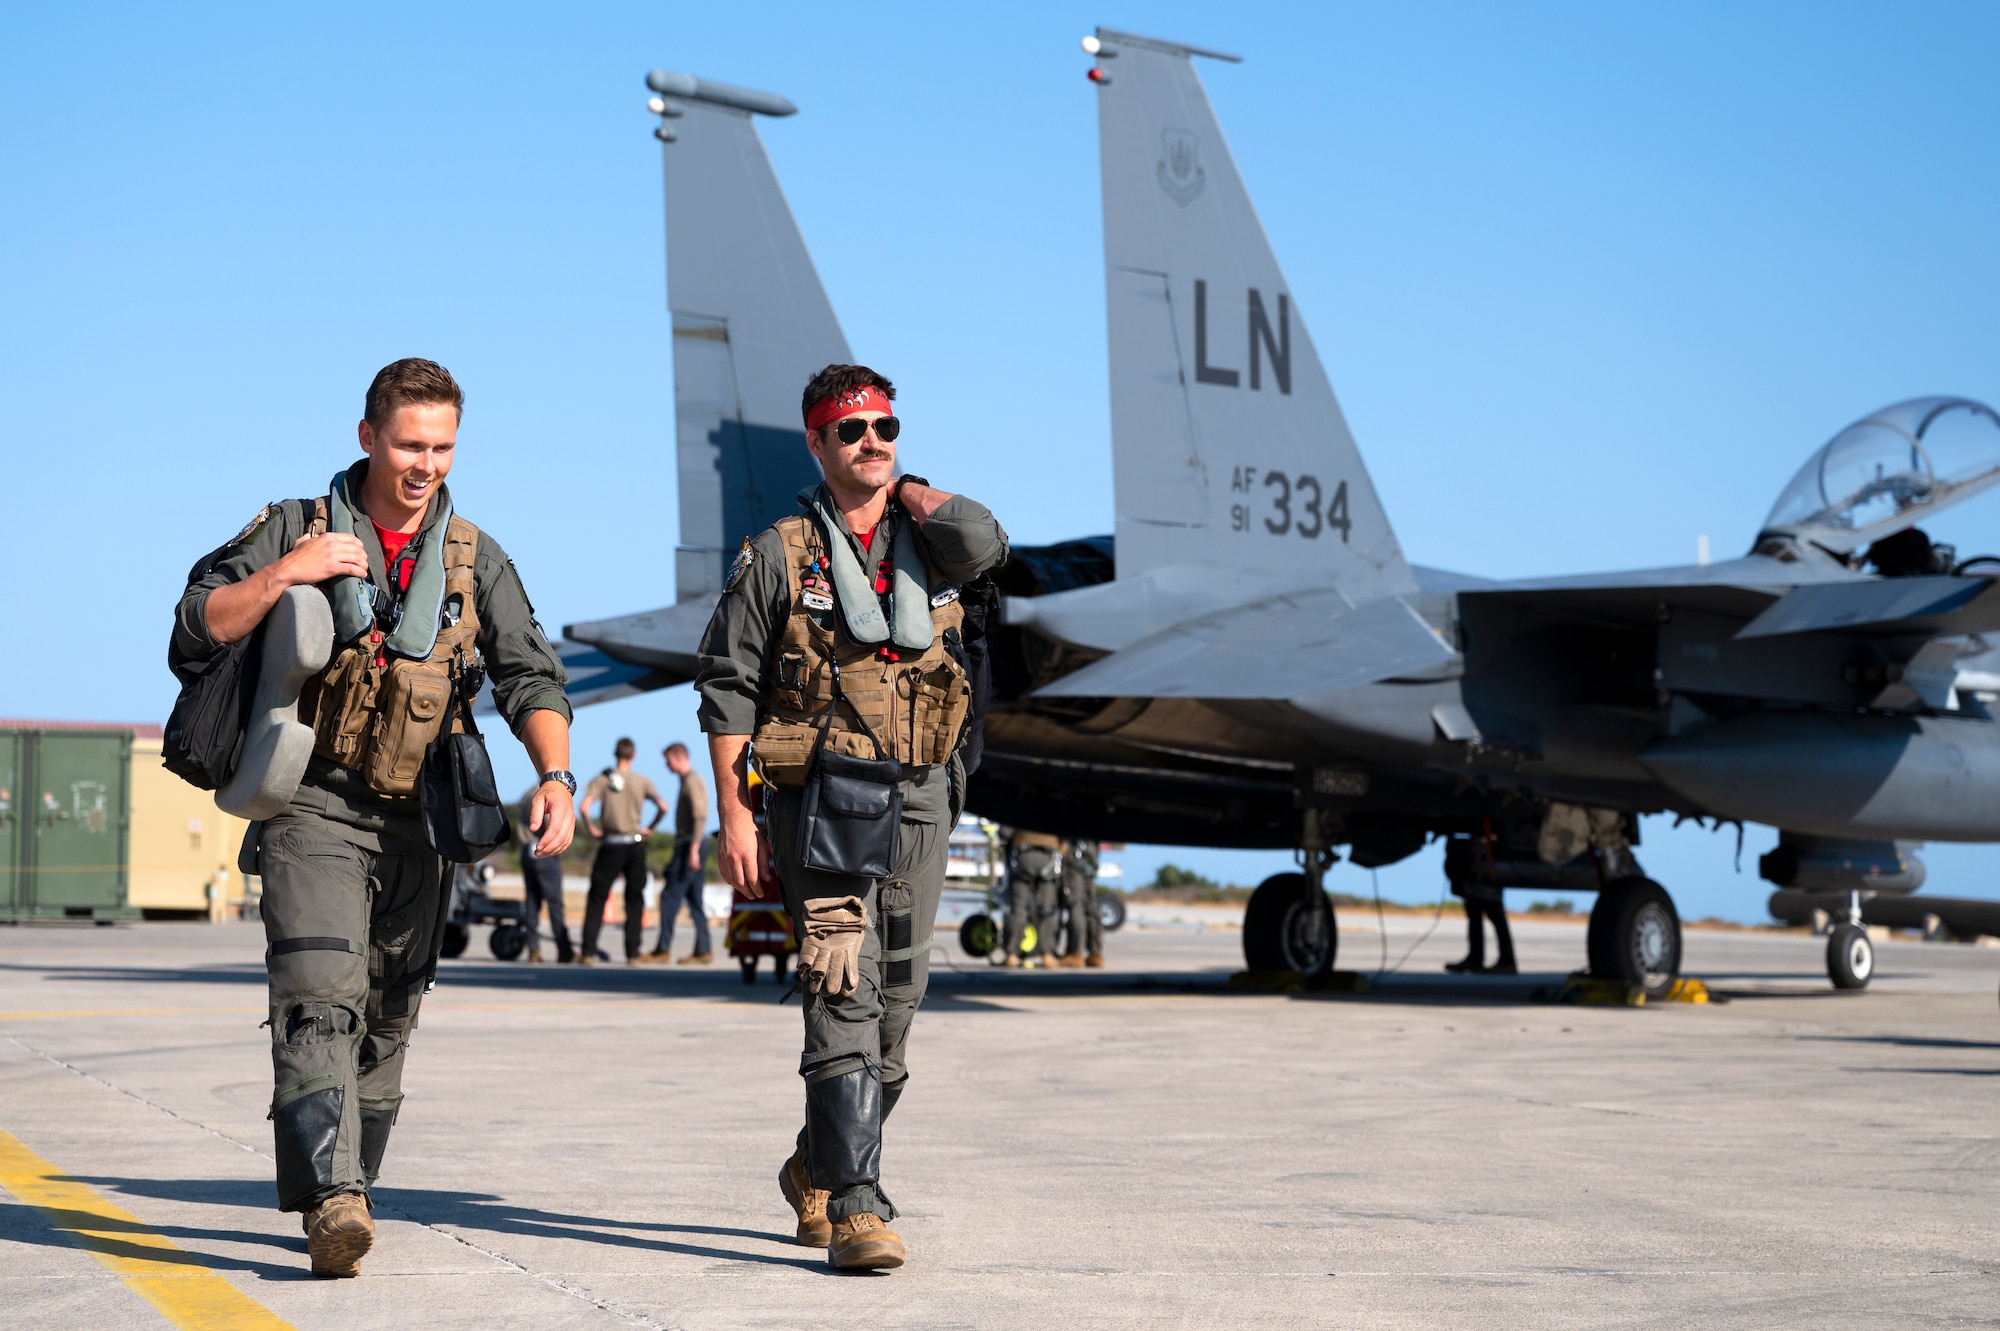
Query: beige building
{"type": "Point", "coordinates": [181, 844]}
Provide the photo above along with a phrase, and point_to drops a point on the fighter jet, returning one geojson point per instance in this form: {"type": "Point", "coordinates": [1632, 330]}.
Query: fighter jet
{"type": "Point", "coordinates": [1249, 659]}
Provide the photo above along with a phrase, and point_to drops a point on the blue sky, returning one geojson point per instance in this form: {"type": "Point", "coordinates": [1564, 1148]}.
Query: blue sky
{"type": "Point", "coordinates": [1589, 280]}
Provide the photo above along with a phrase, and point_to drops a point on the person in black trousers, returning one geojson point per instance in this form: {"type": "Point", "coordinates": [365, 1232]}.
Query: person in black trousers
{"type": "Point", "coordinates": [620, 794]}
{"type": "Point", "coordinates": [542, 880]}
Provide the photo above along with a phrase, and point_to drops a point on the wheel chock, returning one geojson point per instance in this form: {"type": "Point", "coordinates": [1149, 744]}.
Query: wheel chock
{"type": "Point", "coordinates": [1582, 987]}
{"type": "Point", "coordinates": [1687, 990]}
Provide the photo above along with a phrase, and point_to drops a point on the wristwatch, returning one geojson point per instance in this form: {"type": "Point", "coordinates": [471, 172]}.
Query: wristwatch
{"type": "Point", "coordinates": [566, 778]}
{"type": "Point", "coordinates": [906, 479]}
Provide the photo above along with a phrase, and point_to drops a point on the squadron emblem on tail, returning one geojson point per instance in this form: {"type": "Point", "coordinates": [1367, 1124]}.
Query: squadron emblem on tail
{"type": "Point", "coordinates": [1179, 169]}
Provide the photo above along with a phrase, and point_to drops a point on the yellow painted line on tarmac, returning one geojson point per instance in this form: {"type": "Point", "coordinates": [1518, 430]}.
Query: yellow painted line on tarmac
{"type": "Point", "coordinates": [173, 1280]}
{"type": "Point", "coordinates": [124, 1012]}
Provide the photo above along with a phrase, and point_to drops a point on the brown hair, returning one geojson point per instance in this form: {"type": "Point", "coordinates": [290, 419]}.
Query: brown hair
{"type": "Point", "coordinates": [410, 380]}
{"type": "Point", "coordinates": [677, 750]}
{"type": "Point", "coordinates": [625, 748]}
{"type": "Point", "coordinates": [842, 379]}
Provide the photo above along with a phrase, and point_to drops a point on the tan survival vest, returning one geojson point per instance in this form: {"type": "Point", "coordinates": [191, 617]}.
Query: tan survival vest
{"type": "Point", "coordinates": [377, 720]}
{"type": "Point", "coordinates": [916, 706]}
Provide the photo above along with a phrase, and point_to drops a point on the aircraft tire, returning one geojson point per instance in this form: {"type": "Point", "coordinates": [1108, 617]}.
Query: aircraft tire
{"type": "Point", "coordinates": [456, 936]}
{"type": "Point", "coordinates": [1850, 956]}
{"type": "Point", "coordinates": [1635, 936]}
{"type": "Point", "coordinates": [1273, 939]}
{"type": "Point", "coordinates": [1110, 909]}
{"type": "Point", "coordinates": [508, 941]}
{"type": "Point", "coordinates": [978, 936]}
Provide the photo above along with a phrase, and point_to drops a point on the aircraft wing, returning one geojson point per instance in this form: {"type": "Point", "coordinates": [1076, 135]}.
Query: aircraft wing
{"type": "Point", "coordinates": [594, 677]}
{"type": "Point", "coordinates": [1890, 605]}
{"type": "Point", "coordinates": [662, 640]}
{"type": "Point", "coordinates": [1290, 646]}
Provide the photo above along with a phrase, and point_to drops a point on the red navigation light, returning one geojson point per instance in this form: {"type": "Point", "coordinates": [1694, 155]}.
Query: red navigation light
{"type": "Point", "coordinates": [1095, 75]}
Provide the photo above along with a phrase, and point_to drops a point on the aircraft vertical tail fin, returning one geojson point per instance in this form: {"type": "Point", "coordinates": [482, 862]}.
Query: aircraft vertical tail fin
{"type": "Point", "coordinates": [751, 323]}
{"type": "Point", "coordinates": [1229, 449]}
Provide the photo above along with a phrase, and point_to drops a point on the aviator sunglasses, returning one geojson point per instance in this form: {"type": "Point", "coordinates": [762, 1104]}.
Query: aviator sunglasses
{"type": "Point", "coordinates": [849, 429]}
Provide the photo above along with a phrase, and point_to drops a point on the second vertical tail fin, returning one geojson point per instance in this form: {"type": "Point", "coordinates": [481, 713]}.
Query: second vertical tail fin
{"type": "Point", "coordinates": [1229, 449]}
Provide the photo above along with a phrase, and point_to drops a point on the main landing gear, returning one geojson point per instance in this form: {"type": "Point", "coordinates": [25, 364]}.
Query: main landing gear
{"type": "Point", "coordinates": [1635, 932]}
{"type": "Point", "coordinates": [1635, 936]}
{"type": "Point", "coordinates": [1289, 924]}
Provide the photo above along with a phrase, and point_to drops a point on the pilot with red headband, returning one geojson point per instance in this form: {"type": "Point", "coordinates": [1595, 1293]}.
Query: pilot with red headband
{"type": "Point", "coordinates": [835, 668]}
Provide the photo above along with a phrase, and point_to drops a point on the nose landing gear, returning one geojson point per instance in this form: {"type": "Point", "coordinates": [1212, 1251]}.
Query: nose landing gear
{"type": "Point", "coordinates": [1850, 954]}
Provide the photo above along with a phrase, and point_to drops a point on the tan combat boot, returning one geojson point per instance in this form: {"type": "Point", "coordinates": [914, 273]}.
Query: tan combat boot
{"type": "Point", "coordinates": [863, 1243]}
{"type": "Point", "coordinates": [339, 1233]}
{"type": "Point", "coordinates": [1095, 960]}
{"type": "Point", "coordinates": [815, 1231]}
{"type": "Point", "coordinates": [1071, 961]}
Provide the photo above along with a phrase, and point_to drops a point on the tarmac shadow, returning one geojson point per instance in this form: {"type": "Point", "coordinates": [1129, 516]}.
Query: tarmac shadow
{"type": "Point", "coordinates": [497, 1215]}
{"type": "Point", "coordinates": [431, 1207]}
{"type": "Point", "coordinates": [100, 1234]}
{"type": "Point", "coordinates": [1904, 1041]}
{"type": "Point", "coordinates": [228, 973]}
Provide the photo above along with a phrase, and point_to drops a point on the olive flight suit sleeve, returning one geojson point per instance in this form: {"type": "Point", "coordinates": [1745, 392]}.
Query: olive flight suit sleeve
{"type": "Point", "coordinates": [526, 675]}
{"type": "Point", "coordinates": [965, 539]}
{"type": "Point", "coordinates": [737, 643]}
{"type": "Point", "coordinates": [263, 542]}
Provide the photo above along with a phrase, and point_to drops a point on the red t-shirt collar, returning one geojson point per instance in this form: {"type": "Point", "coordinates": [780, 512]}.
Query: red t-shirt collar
{"type": "Point", "coordinates": [392, 547]}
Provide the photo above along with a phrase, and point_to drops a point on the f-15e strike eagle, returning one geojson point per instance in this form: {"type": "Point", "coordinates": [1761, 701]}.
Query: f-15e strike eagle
{"type": "Point", "coordinates": [1249, 660]}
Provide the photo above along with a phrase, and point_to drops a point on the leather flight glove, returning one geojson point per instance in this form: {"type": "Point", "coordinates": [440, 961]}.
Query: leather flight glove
{"type": "Point", "coordinates": [830, 952]}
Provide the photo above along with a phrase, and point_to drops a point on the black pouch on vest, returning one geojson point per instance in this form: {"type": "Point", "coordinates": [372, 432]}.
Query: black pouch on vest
{"type": "Point", "coordinates": [851, 810]}
{"type": "Point", "coordinates": [463, 813]}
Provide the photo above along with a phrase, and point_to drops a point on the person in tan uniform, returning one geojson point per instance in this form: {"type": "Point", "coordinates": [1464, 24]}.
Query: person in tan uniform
{"type": "Point", "coordinates": [684, 875]}
{"type": "Point", "coordinates": [621, 795]}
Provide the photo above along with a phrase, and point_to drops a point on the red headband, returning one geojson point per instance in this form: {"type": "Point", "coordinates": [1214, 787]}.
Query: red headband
{"type": "Point", "coordinates": [836, 405]}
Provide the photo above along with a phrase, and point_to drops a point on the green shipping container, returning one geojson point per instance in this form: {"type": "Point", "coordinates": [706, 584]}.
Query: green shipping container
{"type": "Point", "coordinates": [65, 816]}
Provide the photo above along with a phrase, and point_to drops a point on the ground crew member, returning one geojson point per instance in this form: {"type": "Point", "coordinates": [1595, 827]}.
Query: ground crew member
{"type": "Point", "coordinates": [621, 794]}
{"type": "Point", "coordinates": [354, 900]}
{"type": "Point", "coordinates": [684, 876]}
{"type": "Point", "coordinates": [542, 885]}
{"type": "Point", "coordinates": [1034, 882]}
{"type": "Point", "coordinates": [1086, 926]}
{"type": "Point", "coordinates": [865, 579]}
{"type": "Point", "coordinates": [1484, 901]}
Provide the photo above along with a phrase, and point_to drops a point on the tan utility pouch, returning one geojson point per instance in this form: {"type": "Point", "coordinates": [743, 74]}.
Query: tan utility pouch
{"type": "Point", "coordinates": [408, 716]}
{"type": "Point", "coordinates": [939, 700]}
{"type": "Point", "coordinates": [780, 749]}
{"type": "Point", "coordinates": [344, 707]}
{"type": "Point", "coordinates": [783, 749]}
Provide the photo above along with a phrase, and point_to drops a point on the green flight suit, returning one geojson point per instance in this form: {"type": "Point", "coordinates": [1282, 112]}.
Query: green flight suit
{"type": "Point", "coordinates": [855, 1060]}
{"type": "Point", "coordinates": [354, 897]}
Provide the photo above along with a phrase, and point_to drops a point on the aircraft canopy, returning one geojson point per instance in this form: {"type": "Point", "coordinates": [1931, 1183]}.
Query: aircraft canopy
{"type": "Point", "coordinates": [1890, 470]}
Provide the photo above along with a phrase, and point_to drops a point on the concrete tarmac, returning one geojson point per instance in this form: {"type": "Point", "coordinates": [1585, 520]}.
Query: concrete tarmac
{"type": "Point", "coordinates": [1136, 1147]}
